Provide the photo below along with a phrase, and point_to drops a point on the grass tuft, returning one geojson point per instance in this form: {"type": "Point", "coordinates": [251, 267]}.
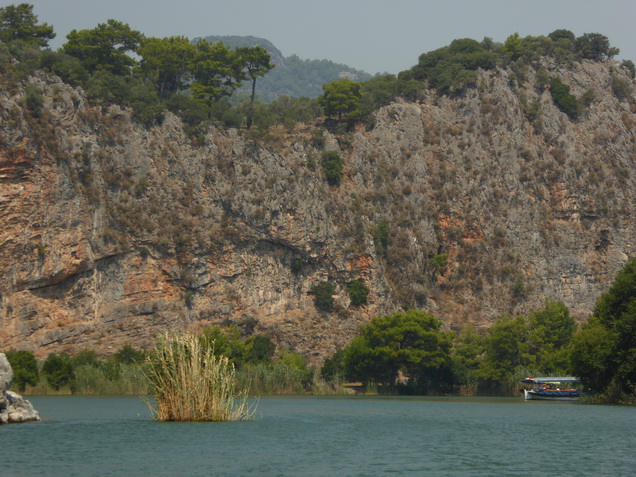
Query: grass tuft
{"type": "Point", "coordinates": [190, 383]}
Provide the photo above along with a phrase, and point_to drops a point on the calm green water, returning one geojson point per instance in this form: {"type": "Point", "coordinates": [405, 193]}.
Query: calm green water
{"type": "Point", "coordinates": [309, 436]}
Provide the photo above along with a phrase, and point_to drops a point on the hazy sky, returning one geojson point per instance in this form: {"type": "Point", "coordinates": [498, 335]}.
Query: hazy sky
{"type": "Point", "coordinates": [371, 35]}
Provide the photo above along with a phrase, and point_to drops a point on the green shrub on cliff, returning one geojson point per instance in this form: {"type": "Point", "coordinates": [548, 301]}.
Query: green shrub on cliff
{"type": "Point", "coordinates": [323, 295]}
{"type": "Point", "coordinates": [565, 101]}
{"type": "Point", "coordinates": [333, 167]}
{"type": "Point", "coordinates": [358, 292]}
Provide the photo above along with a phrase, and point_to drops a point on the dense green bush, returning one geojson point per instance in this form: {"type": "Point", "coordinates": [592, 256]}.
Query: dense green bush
{"type": "Point", "coordinates": [452, 68]}
{"type": "Point", "coordinates": [381, 237]}
{"type": "Point", "coordinates": [620, 87]}
{"type": "Point", "coordinates": [565, 101]}
{"type": "Point", "coordinates": [129, 355]}
{"type": "Point", "coordinates": [25, 369]}
{"type": "Point", "coordinates": [34, 100]}
{"type": "Point", "coordinates": [333, 167]}
{"type": "Point", "coordinates": [341, 99]}
{"type": "Point", "coordinates": [296, 265]}
{"type": "Point", "coordinates": [260, 349]}
{"type": "Point", "coordinates": [358, 292]}
{"type": "Point", "coordinates": [59, 371]}
{"type": "Point", "coordinates": [333, 369]}
{"type": "Point", "coordinates": [323, 295]}
{"type": "Point", "coordinates": [411, 344]}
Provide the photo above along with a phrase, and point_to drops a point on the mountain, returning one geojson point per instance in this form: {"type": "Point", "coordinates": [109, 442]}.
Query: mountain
{"type": "Point", "coordinates": [466, 206]}
{"type": "Point", "coordinates": [292, 76]}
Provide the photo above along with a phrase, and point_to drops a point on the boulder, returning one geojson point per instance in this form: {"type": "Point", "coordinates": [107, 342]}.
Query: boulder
{"type": "Point", "coordinates": [13, 407]}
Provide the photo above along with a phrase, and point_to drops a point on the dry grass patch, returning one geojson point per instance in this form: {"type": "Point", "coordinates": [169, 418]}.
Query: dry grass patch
{"type": "Point", "coordinates": [190, 383]}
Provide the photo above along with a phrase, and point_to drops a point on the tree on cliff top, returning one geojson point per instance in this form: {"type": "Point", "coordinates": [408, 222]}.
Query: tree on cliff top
{"type": "Point", "coordinates": [167, 61]}
{"type": "Point", "coordinates": [256, 64]}
{"type": "Point", "coordinates": [20, 23]}
{"type": "Point", "coordinates": [105, 47]}
{"type": "Point", "coordinates": [341, 99]}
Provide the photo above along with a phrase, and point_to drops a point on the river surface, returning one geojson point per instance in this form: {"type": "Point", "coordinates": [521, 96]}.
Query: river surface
{"type": "Point", "coordinates": [325, 436]}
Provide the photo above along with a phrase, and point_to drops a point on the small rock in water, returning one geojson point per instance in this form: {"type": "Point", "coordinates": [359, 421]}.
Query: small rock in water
{"type": "Point", "coordinates": [13, 407]}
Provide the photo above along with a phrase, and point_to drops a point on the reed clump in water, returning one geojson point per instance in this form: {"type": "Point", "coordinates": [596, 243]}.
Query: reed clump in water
{"type": "Point", "coordinates": [190, 383]}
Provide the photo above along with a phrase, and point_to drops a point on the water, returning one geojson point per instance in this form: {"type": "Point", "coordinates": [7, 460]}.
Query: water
{"type": "Point", "coordinates": [325, 436]}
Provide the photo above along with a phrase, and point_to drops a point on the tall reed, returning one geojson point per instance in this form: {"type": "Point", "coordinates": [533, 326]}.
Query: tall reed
{"type": "Point", "coordinates": [190, 383]}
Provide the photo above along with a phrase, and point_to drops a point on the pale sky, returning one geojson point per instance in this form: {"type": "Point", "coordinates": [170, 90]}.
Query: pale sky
{"type": "Point", "coordinates": [371, 35]}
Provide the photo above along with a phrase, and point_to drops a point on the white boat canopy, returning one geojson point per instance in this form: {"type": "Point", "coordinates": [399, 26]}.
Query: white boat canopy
{"type": "Point", "coordinates": [551, 379]}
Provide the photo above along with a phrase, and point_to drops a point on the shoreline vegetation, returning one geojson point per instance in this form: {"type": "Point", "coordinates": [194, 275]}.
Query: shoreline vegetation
{"type": "Point", "coordinates": [408, 353]}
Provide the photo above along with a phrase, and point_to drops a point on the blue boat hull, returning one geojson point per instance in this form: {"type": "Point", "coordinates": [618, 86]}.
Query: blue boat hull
{"type": "Point", "coordinates": [550, 395]}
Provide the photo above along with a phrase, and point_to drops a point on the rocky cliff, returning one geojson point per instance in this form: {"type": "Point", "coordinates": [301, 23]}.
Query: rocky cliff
{"type": "Point", "coordinates": [112, 231]}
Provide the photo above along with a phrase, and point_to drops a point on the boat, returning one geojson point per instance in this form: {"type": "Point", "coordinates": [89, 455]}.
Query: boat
{"type": "Point", "coordinates": [551, 389]}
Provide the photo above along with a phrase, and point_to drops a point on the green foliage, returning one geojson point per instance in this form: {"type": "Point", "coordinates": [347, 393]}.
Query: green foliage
{"type": "Point", "coordinates": [87, 357]}
{"type": "Point", "coordinates": [18, 22]}
{"type": "Point", "coordinates": [505, 350]}
{"type": "Point", "coordinates": [105, 47]}
{"type": "Point", "coordinates": [592, 354]}
{"type": "Point", "coordinates": [272, 378]}
{"type": "Point", "coordinates": [25, 369]}
{"type": "Point", "coordinates": [468, 347]}
{"type": "Point", "coordinates": [381, 237]}
{"type": "Point", "coordinates": [34, 99]}
{"type": "Point", "coordinates": [409, 344]}
{"type": "Point", "coordinates": [217, 72]}
{"type": "Point", "coordinates": [297, 362]}
{"type": "Point", "coordinates": [518, 289]}
{"type": "Point", "coordinates": [629, 66]}
{"type": "Point", "coordinates": [333, 167]}
{"type": "Point", "coordinates": [296, 265]}
{"type": "Point", "coordinates": [550, 332]}
{"type": "Point", "coordinates": [620, 87]}
{"type": "Point", "coordinates": [334, 367]}
{"type": "Point", "coordinates": [562, 34]}
{"type": "Point", "coordinates": [129, 355]}
{"type": "Point", "coordinates": [59, 370]}
{"type": "Point", "coordinates": [358, 292]}
{"type": "Point", "coordinates": [452, 68]}
{"type": "Point", "coordinates": [192, 112]}
{"type": "Point", "coordinates": [604, 352]}
{"type": "Point", "coordinates": [323, 295]}
{"type": "Point", "coordinates": [382, 90]}
{"type": "Point", "coordinates": [68, 68]}
{"type": "Point", "coordinates": [188, 298]}
{"type": "Point", "coordinates": [260, 349]}
{"type": "Point", "coordinates": [513, 47]}
{"type": "Point", "coordinates": [168, 61]}
{"type": "Point", "coordinates": [438, 263]}
{"type": "Point", "coordinates": [256, 63]}
{"type": "Point", "coordinates": [565, 101]}
{"type": "Point", "coordinates": [287, 111]}
{"type": "Point", "coordinates": [341, 99]}
{"type": "Point", "coordinates": [594, 46]}
{"type": "Point", "coordinates": [229, 342]}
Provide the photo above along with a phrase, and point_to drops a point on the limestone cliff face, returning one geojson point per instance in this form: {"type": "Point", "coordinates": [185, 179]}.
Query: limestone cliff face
{"type": "Point", "coordinates": [112, 232]}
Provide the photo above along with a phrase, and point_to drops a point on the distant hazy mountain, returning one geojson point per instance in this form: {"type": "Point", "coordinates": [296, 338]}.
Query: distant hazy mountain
{"type": "Point", "coordinates": [292, 75]}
